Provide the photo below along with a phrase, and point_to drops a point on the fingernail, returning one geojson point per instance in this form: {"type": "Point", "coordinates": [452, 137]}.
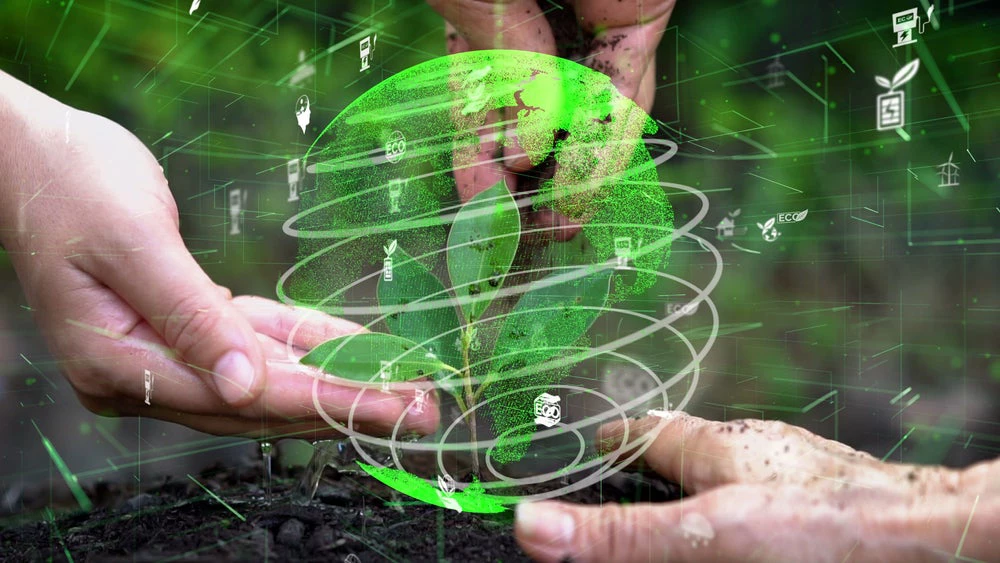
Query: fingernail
{"type": "Point", "coordinates": [234, 375]}
{"type": "Point", "coordinates": [547, 527]}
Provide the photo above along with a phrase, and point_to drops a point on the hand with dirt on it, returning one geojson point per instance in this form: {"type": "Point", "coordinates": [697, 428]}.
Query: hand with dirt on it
{"type": "Point", "coordinates": [91, 228]}
{"type": "Point", "coordinates": [769, 491]}
{"type": "Point", "coordinates": [619, 39]}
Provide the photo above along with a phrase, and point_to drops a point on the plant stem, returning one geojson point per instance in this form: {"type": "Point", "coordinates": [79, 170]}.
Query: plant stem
{"type": "Point", "coordinates": [470, 400]}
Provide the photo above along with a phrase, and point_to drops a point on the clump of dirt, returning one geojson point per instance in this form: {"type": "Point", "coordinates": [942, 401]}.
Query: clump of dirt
{"type": "Point", "coordinates": [351, 514]}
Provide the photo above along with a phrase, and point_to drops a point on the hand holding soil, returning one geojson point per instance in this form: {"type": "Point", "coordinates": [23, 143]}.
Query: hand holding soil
{"type": "Point", "coordinates": [768, 491]}
{"type": "Point", "coordinates": [616, 38]}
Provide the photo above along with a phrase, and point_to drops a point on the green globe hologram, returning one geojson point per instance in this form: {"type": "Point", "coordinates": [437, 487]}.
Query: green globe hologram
{"type": "Point", "coordinates": [383, 174]}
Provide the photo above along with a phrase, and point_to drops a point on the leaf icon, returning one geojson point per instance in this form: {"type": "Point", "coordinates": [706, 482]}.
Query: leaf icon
{"type": "Point", "coordinates": [883, 82]}
{"type": "Point", "coordinates": [390, 249]}
{"type": "Point", "coordinates": [769, 223]}
{"type": "Point", "coordinates": [761, 227]}
{"type": "Point", "coordinates": [800, 215]}
{"type": "Point", "coordinates": [904, 75]}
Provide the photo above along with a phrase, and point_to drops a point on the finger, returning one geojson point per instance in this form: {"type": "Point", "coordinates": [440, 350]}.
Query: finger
{"type": "Point", "coordinates": [515, 24]}
{"type": "Point", "coordinates": [521, 26]}
{"type": "Point", "coordinates": [475, 25]}
{"type": "Point", "coordinates": [551, 225]}
{"type": "Point", "coordinates": [163, 283]}
{"type": "Point", "coordinates": [298, 327]}
{"type": "Point", "coordinates": [475, 170]}
{"type": "Point", "coordinates": [626, 35]}
{"type": "Point", "coordinates": [611, 438]}
{"type": "Point", "coordinates": [735, 523]}
{"type": "Point", "coordinates": [685, 449]}
{"type": "Point", "coordinates": [289, 397]}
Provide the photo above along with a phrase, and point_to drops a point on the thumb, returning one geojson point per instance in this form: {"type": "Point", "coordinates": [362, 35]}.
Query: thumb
{"type": "Point", "coordinates": [557, 531]}
{"type": "Point", "coordinates": [173, 294]}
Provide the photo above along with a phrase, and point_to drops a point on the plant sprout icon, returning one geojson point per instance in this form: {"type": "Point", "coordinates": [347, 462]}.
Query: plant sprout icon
{"type": "Point", "coordinates": [387, 263]}
{"type": "Point", "coordinates": [890, 108]}
{"type": "Point", "coordinates": [446, 484]}
{"type": "Point", "coordinates": [768, 231]}
{"type": "Point", "coordinates": [446, 490]}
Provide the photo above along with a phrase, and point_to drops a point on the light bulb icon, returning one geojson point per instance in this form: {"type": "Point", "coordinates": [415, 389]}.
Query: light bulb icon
{"type": "Point", "coordinates": [302, 112]}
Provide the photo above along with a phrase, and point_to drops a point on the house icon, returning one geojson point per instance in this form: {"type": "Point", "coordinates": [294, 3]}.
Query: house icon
{"type": "Point", "coordinates": [725, 227]}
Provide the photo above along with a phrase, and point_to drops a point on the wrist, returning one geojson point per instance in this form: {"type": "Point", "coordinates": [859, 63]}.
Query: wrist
{"type": "Point", "coordinates": [31, 127]}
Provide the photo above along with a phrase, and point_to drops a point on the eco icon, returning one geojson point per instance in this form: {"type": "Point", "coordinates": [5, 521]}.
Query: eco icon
{"type": "Point", "coordinates": [891, 106]}
{"type": "Point", "coordinates": [792, 217]}
{"type": "Point", "coordinates": [547, 410]}
{"type": "Point", "coordinates": [387, 262]}
{"type": "Point", "coordinates": [365, 48]}
{"type": "Point", "coordinates": [768, 231]}
{"type": "Point", "coordinates": [905, 22]}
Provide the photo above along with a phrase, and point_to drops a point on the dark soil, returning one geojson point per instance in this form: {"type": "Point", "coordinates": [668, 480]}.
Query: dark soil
{"type": "Point", "coordinates": [352, 514]}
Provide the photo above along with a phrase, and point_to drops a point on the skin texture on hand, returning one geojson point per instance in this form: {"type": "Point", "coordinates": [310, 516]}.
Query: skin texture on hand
{"type": "Point", "coordinates": [768, 491]}
{"type": "Point", "coordinates": [92, 230]}
{"type": "Point", "coordinates": [623, 40]}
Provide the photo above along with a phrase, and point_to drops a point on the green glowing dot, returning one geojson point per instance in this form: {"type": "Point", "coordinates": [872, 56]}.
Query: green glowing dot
{"type": "Point", "coordinates": [775, 37]}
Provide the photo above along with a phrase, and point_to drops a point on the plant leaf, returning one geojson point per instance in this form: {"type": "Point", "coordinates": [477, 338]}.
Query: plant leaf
{"type": "Point", "coordinates": [359, 357]}
{"type": "Point", "coordinates": [906, 73]}
{"type": "Point", "coordinates": [883, 82]}
{"type": "Point", "coordinates": [547, 318]}
{"type": "Point", "coordinates": [413, 285]}
{"type": "Point", "coordinates": [481, 247]}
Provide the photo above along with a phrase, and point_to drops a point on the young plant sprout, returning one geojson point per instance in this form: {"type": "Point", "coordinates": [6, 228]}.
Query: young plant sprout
{"type": "Point", "coordinates": [435, 327]}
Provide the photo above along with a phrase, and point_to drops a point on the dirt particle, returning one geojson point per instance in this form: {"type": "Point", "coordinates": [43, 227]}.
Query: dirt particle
{"type": "Point", "coordinates": [291, 532]}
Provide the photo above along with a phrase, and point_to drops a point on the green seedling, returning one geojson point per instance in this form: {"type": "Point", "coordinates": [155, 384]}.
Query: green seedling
{"type": "Point", "coordinates": [434, 326]}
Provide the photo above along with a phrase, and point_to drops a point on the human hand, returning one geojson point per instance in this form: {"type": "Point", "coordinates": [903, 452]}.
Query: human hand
{"type": "Point", "coordinates": [92, 230]}
{"type": "Point", "coordinates": [625, 36]}
{"type": "Point", "coordinates": [768, 491]}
